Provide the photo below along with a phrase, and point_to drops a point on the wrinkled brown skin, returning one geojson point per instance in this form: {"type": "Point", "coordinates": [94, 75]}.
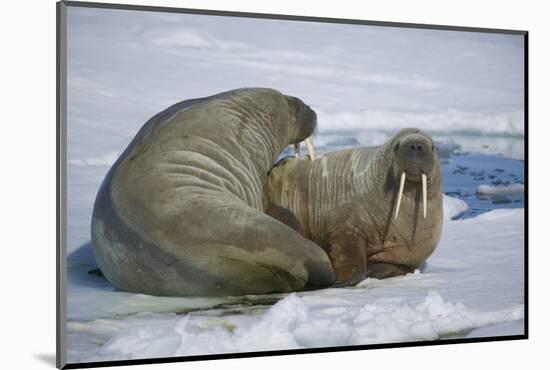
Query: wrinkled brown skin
{"type": "Point", "coordinates": [345, 202]}
{"type": "Point", "coordinates": [181, 212]}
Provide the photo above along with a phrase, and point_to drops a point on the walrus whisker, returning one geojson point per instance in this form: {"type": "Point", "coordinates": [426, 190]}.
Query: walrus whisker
{"type": "Point", "coordinates": [309, 147]}
{"type": "Point", "coordinates": [296, 150]}
{"type": "Point", "coordinates": [400, 194]}
{"type": "Point", "coordinates": [424, 193]}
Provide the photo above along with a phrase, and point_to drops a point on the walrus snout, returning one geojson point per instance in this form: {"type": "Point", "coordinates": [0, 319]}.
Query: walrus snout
{"type": "Point", "coordinates": [415, 156]}
{"type": "Point", "coordinates": [414, 162]}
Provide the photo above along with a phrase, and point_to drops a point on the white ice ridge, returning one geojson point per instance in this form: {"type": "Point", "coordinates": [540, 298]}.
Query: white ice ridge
{"type": "Point", "coordinates": [508, 123]}
{"type": "Point", "coordinates": [501, 189]}
{"type": "Point", "coordinates": [453, 207]}
{"type": "Point", "coordinates": [293, 323]}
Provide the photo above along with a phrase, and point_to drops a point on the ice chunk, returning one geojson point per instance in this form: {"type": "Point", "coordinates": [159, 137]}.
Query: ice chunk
{"type": "Point", "coordinates": [500, 189]}
{"type": "Point", "coordinates": [453, 207]}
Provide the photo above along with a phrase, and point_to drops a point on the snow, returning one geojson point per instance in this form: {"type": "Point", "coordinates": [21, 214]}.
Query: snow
{"type": "Point", "coordinates": [124, 66]}
{"type": "Point", "coordinates": [501, 189]}
{"type": "Point", "coordinates": [291, 324]}
{"type": "Point", "coordinates": [510, 123]}
{"type": "Point", "coordinates": [473, 283]}
{"type": "Point", "coordinates": [465, 89]}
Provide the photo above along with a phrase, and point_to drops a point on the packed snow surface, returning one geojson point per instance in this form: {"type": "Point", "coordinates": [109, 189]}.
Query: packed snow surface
{"type": "Point", "coordinates": [472, 284]}
{"type": "Point", "coordinates": [299, 322]}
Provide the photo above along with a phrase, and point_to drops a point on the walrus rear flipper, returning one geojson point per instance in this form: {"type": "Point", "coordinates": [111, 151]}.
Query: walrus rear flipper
{"type": "Point", "coordinates": [248, 252]}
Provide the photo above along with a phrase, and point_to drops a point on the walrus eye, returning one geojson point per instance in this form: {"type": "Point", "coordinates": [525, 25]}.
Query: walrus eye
{"type": "Point", "coordinates": [396, 147]}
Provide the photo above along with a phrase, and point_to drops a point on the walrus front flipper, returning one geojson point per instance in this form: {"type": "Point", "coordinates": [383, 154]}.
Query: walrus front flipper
{"type": "Point", "coordinates": [348, 256]}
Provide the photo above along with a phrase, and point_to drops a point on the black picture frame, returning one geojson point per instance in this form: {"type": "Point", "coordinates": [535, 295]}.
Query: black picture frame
{"type": "Point", "coordinates": [61, 217]}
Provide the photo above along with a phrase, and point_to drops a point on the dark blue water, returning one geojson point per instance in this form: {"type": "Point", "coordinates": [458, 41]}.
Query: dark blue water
{"type": "Point", "coordinates": [463, 173]}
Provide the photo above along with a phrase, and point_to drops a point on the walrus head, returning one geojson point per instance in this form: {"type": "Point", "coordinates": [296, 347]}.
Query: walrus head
{"type": "Point", "coordinates": [414, 161]}
{"type": "Point", "coordinates": [302, 113]}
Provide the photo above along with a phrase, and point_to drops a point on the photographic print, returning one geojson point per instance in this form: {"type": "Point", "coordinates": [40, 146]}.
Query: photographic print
{"type": "Point", "coordinates": [240, 184]}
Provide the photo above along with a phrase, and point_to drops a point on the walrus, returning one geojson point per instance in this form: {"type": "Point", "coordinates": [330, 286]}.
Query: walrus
{"type": "Point", "coordinates": [182, 210]}
{"type": "Point", "coordinates": [376, 211]}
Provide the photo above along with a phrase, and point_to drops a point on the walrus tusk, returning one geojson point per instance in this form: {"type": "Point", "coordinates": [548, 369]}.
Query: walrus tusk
{"type": "Point", "coordinates": [400, 194]}
{"type": "Point", "coordinates": [424, 193]}
{"type": "Point", "coordinates": [296, 150]}
{"type": "Point", "coordinates": [309, 147]}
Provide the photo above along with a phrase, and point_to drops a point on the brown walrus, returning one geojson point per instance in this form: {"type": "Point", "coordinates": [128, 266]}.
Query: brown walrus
{"type": "Point", "coordinates": [181, 212]}
{"type": "Point", "coordinates": [377, 212]}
